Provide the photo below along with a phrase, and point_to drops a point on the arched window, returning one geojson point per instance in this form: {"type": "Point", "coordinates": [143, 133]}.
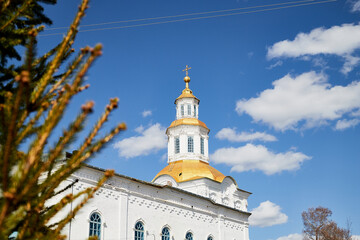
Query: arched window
{"type": "Point", "coordinates": [165, 234]}
{"type": "Point", "coordinates": [189, 236]}
{"type": "Point", "coordinates": [95, 225]}
{"type": "Point", "coordinates": [202, 145]}
{"type": "Point", "coordinates": [139, 231]}
{"type": "Point", "coordinates": [210, 238]}
{"type": "Point", "coordinates": [189, 109]}
{"type": "Point", "coordinates": [177, 145]}
{"type": "Point", "coordinates": [190, 144]}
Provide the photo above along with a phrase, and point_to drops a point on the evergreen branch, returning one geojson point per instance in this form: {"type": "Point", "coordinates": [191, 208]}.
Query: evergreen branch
{"type": "Point", "coordinates": [45, 56]}
{"type": "Point", "coordinates": [27, 180]}
{"type": "Point", "coordinates": [97, 127]}
{"type": "Point", "coordinates": [74, 163]}
{"type": "Point", "coordinates": [22, 79]}
{"type": "Point", "coordinates": [24, 6]}
{"type": "Point", "coordinates": [54, 153]}
{"type": "Point", "coordinates": [56, 113]}
{"type": "Point", "coordinates": [30, 125]}
{"type": "Point", "coordinates": [107, 175]}
{"type": "Point", "coordinates": [5, 116]}
{"type": "Point", "coordinates": [66, 43]}
{"type": "Point", "coordinates": [34, 154]}
{"type": "Point", "coordinates": [5, 5]}
{"type": "Point", "coordinates": [29, 67]}
{"type": "Point", "coordinates": [99, 144]}
{"type": "Point", "coordinates": [13, 220]}
{"type": "Point", "coordinates": [23, 229]}
{"type": "Point", "coordinates": [67, 187]}
{"type": "Point", "coordinates": [30, 50]}
{"type": "Point", "coordinates": [53, 210]}
{"type": "Point", "coordinates": [75, 64]}
{"type": "Point", "coordinates": [60, 205]}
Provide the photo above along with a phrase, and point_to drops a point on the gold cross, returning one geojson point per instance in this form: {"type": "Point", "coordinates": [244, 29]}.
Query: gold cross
{"type": "Point", "coordinates": [186, 70]}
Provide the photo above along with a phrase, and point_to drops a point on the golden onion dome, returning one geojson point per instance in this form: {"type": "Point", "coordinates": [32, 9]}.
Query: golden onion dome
{"type": "Point", "coordinates": [187, 93]}
{"type": "Point", "coordinates": [188, 121]}
{"type": "Point", "coordinates": [186, 170]}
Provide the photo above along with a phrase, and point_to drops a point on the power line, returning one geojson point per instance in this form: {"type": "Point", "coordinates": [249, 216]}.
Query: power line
{"type": "Point", "coordinates": [307, 2]}
{"type": "Point", "coordinates": [183, 15]}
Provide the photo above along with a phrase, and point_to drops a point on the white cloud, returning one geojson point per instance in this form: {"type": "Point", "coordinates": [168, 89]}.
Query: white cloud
{"type": "Point", "coordinates": [267, 214]}
{"type": "Point", "coordinates": [355, 237]}
{"type": "Point", "coordinates": [232, 136]}
{"type": "Point", "coordinates": [356, 113]}
{"type": "Point", "coordinates": [307, 100]}
{"type": "Point", "coordinates": [146, 113]}
{"type": "Point", "coordinates": [350, 63]}
{"type": "Point", "coordinates": [319, 62]}
{"type": "Point", "coordinates": [139, 129]}
{"type": "Point", "coordinates": [278, 63]}
{"type": "Point", "coordinates": [257, 157]}
{"type": "Point", "coordinates": [355, 6]}
{"type": "Point", "coordinates": [341, 40]}
{"type": "Point", "coordinates": [295, 236]}
{"type": "Point", "coordinates": [150, 141]}
{"type": "Point", "coordinates": [344, 123]}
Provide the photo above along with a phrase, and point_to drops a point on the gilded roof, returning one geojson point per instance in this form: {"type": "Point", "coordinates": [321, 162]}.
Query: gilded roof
{"type": "Point", "coordinates": [186, 170]}
{"type": "Point", "coordinates": [188, 121]}
{"type": "Point", "coordinates": [187, 93]}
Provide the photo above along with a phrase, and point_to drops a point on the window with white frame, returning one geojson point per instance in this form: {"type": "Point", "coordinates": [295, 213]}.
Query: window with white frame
{"type": "Point", "coordinates": [95, 225]}
{"type": "Point", "coordinates": [189, 236]}
{"type": "Point", "coordinates": [210, 238]}
{"type": "Point", "coordinates": [189, 109]}
{"type": "Point", "coordinates": [139, 231]}
{"type": "Point", "coordinates": [177, 145]}
{"type": "Point", "coordinates": [182, 110]}
{"type": "Point", "coordinates": [194, 110]}
{"type": "Point", "coordinates": [202, 145]}
{"type": "Point", "coordinates": [165, 234]}
{"type": "Point", "coordinates": [190, 144]}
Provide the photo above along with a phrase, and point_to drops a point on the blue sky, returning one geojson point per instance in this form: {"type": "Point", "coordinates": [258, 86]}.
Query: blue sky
{"type": "Point", "coordinates": [279, 89]}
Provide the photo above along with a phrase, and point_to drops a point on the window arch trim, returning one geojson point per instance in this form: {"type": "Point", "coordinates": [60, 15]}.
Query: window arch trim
{"type": "Point", "coordinates": [139, 232]}
{"type": "Point", "coordinates": [189, 235]}
{"type": "Point", "coordinates": [95, 222]}
{"type": "Point", "coordinates": [165, 233]}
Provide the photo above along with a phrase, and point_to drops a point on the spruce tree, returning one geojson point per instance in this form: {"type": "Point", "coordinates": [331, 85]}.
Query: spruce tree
{"type": "Point", "coordinates": [17, 18]}
{"type": "Point", "coordinates": [31, 168]}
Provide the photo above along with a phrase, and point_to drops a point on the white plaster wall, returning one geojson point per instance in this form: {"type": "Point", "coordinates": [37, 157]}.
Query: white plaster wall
{"type": "Point", "coordinates": [124, 201]}
{"type": "Point", "coordinates": [185, 102]}
{"type": "Point", "coordinates": [183, 132]}
{"type": "Point", "coordinates": [166, 180]}
{"type": "Point", "coordinates": [226, 193]}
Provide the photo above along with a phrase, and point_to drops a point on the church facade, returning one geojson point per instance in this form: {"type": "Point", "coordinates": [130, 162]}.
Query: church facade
{"type": "Point", "coordinates": [188, 199]}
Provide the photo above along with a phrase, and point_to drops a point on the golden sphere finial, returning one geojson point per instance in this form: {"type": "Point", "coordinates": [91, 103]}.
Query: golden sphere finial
{"type": "Point", "coordinates": [186, 79]}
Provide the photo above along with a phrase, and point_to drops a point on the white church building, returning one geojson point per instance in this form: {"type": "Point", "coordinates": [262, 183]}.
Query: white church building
{"type": "Point", "coordinates": [187, 200]}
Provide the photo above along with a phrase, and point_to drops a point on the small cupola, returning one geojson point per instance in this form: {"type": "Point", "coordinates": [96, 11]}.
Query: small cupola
{"type": "Point", "coordinates": [187, 105]}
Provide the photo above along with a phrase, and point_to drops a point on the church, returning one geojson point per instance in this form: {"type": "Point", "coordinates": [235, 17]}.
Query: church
{"type": "Point", "coordinates": [188, 199]}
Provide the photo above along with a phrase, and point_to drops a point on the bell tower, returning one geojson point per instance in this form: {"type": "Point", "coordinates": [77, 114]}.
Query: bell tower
{"type": "Point", "coordinates": [188, 136]}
